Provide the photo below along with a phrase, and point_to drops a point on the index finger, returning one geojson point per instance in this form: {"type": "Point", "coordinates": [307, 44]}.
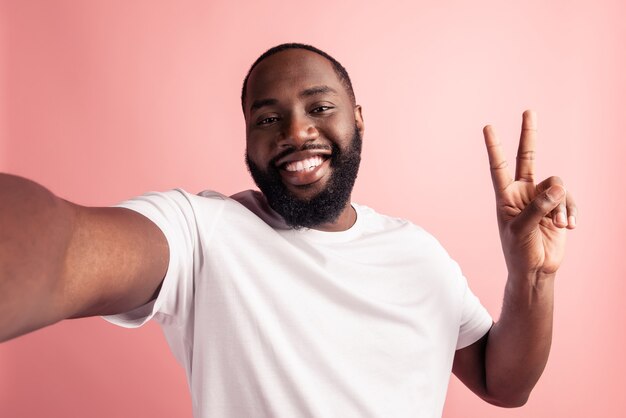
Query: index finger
{"type": "Point", "coordinates": [497, 162]}
{"type": "Point", "coordinates": [525, 167]}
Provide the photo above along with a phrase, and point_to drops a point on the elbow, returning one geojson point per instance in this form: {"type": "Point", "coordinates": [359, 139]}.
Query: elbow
{"type": "Point", "coordinates": [508, 400]}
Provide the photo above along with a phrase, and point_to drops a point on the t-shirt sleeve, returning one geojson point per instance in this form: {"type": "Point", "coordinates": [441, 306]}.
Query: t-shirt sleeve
{"type": "Point", "coordinates": [174, 213]}
{"type": "Point", "coordinates": [475, 320]}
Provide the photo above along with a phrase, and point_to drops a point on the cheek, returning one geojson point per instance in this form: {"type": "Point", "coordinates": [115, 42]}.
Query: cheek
{"type": "Point", "coordinates": [342, 131]}
{"type": "Point", "coordinates": [261, 142]}
{"type": "Point", "coordinates": [340, 124]}
{"type": "Point", "coordinates": [257, 152]}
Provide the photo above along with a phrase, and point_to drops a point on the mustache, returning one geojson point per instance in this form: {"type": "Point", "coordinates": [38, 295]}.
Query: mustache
{"type": "Point", "coordinates": [292, 149]}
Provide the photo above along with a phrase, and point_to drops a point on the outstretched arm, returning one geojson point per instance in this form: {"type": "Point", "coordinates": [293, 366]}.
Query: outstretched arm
{"type": "Point", "coordinates": [59, 260]}
{"type": "Point", "coordinates": [504, 366]}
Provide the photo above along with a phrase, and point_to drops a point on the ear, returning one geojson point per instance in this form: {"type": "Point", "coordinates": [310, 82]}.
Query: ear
{"type": "Point", "coordinates": [358, 118]}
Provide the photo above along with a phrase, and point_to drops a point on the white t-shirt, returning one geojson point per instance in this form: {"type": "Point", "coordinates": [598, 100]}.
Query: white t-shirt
{"type": "Point", "coordinates": [275, 322]}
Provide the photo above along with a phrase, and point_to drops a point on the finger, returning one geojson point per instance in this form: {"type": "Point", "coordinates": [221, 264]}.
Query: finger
{"type": "Point", "coordinates": [558, 214]}
{"type": "Point", "coordinates": [572, 211]}
{"type": "Point", "coordinates": [497, 162]}
{"type": "Point", "coordinates": [542, 205]}
{"type": "Point", "coordinates": [525, 167]}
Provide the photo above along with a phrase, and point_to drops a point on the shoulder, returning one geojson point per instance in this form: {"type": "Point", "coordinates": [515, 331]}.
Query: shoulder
{"type": "Point", "coordinates": [373, 221]}
{"type": "Point", "coordinates": [174, 198]}
{"type": "Point", "coordinates": [176, 204]}
{"type": "Point", "coordinates": [254, 202]}
{"type": "Point", "coordinates": [403, 233]}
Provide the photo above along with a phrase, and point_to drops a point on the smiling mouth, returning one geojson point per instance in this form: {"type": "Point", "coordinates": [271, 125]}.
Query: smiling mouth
{"type": "Point", "coordinates": [307, 164]}
{"type": "Point", "coordinates": [305, 169]}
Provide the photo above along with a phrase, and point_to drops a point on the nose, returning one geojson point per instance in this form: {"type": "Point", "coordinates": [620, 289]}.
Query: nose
{"type": "Point", "coordinates": [297, 131]}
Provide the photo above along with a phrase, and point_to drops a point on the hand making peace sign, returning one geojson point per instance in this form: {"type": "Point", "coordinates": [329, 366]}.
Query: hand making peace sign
{"type": "Point", "coordinates": [532, 218]}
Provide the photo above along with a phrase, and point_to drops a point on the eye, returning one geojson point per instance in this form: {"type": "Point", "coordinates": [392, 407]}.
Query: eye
{"type": "Point", "coordinates": [267, 121]}
{"type": "Point", "coordinates": [321, 109]}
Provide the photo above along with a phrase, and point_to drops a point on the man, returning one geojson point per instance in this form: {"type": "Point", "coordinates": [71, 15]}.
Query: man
{"type": "Point", "coordinates": [296, 302]}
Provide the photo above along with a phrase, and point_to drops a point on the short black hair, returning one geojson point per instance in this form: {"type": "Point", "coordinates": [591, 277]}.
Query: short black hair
{"type": "Point", "coordinates": [339, 69]}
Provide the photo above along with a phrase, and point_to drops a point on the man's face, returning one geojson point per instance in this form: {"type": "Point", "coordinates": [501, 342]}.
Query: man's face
{"type": "Point", "coordinates": [303, 137]}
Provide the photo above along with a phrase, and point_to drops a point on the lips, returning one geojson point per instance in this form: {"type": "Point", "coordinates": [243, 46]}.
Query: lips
{"type": "Point", "coordinates": [304, 167]}
{"type": "Point", "coordinates": [302, 156]}
{"type": "Point", "coordinates": [307, 164]}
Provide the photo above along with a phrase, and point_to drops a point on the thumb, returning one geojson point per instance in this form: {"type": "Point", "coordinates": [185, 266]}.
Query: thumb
{"type": "Point", "coordinates": [540, 206]}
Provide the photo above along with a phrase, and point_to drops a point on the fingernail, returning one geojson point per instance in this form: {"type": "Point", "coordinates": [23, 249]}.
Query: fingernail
{"type": "Point", "coordinates": [572, 221]}
{"type": "Point", "coordinates": [556, 192]}
{"type": "Point", "coordinates": [560, 218]}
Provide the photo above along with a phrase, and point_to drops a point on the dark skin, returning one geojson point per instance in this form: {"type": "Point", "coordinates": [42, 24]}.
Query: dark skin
{"type": "Point", "coordinates": [295, 97]}
{"type": "Point", "coordinates": [60, 260]}
{"type": "Point", "coordinates": [532, 220]}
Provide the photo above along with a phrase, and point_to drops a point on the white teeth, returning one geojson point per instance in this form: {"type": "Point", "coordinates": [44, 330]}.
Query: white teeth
{"type": "Point", "coordinates": [307, 164]}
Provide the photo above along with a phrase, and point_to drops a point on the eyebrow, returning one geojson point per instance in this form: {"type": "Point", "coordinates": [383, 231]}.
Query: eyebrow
{"type": "Point", "coordinates": [312, 91]}
{"type": "Point", "coordinates": [257, 104]}
{"type": "Point", "coordinates": [317, 90]}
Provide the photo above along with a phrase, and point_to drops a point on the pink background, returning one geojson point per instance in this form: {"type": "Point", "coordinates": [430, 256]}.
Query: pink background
{"type": "Point", "coordinates": [103, 100]}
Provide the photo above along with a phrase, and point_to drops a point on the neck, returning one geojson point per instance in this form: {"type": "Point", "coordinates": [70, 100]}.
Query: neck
{"type": "Point", "coordinates": [346, 219]}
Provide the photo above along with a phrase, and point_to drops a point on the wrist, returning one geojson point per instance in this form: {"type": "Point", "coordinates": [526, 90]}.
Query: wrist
{"type": "Point", "coordinates": [527, 274]}
{"type": "Point", "coordinates": [530, 288]}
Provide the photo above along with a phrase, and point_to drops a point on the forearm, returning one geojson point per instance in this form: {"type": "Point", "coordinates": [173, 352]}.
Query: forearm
{"type": "Point", "coordinates": [35, 230]}
{"type": "Point", "coordinates": [519, 343]}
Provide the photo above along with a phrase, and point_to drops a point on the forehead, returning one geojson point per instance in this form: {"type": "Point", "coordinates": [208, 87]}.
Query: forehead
{"type": "Point", "coordinates": [291, 71]}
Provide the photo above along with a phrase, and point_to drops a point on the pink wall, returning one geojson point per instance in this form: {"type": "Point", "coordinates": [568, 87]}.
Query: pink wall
{"type": "Point", "coordinates": [103, 100]}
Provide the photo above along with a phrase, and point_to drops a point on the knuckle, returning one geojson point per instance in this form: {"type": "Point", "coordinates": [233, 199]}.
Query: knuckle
{"type": "Point", "coordinates": [545, 199]}
{"type": "Point", "coordinates": [555, 180]}
{"type": "Point", "coordinates": [544, 202]}
{"type": "Point", "coordinates": [526, 155]}
{"type": "Point", "coordinates": [526, 176]}
{"type": "Point", "coordinates": [499, 166]}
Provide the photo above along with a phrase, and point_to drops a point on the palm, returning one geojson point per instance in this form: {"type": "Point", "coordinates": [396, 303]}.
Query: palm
{"type": "Point", "coordinates": [531, 227]}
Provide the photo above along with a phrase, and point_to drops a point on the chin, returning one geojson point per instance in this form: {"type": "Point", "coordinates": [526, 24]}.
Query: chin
{"type": "Point", "coordinates": [317, 203]}
{"type": "Point", "coordinates": [306, 192]}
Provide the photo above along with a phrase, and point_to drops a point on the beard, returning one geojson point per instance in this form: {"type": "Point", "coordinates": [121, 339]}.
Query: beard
{"type": "Point", "coordinates": [325, 206]}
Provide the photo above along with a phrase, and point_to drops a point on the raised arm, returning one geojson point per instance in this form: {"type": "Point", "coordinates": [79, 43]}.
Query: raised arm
{"type": "Point", "coordinates": [59, 260]}
{"type": "Point", "coordinates": [505, 365]}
